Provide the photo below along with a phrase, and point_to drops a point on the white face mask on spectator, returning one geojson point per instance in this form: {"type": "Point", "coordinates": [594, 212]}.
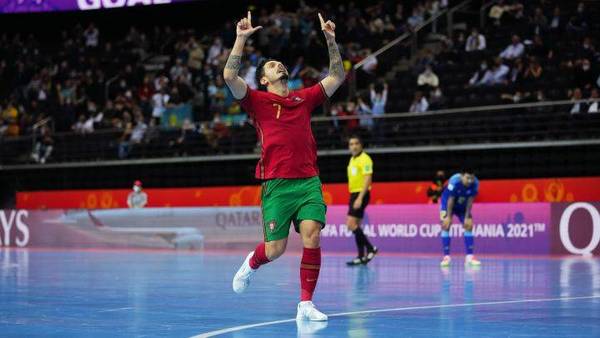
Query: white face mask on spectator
{"type": "Point", "coordinates": [136, 188]}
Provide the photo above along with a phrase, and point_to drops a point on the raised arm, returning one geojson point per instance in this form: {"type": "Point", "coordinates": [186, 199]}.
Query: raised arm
{"type": "Point", "coordinates": [336, 68]}
{"type": "Point", "coordinates": [384, 95]}
{"type": "Point", "coordinates": [236, 84]}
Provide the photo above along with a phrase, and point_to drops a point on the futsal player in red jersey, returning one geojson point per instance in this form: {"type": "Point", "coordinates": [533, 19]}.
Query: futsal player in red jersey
{"type": "Point", "coordinates": [291, 189]}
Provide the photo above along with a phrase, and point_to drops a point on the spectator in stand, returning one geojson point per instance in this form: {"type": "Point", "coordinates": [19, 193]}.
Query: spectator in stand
{"type": "Point", "coordinates": [160, 101]}
{"type": "Point", "coordinates": [137, 134]}
{"type": "Point", "coordinates": [3, 127]}
{"type": "Point", "coordinates": [428, 80]}
{"type": "Point", "coordinates": [11, 118]}
{"type": "Point", "coordinates": [177, 69]}
{"type": "Point", "coordinates": [219, 95]}
{"type": "Point", "coordinates": [556, 22]}
{"type": "Point", "coordinates": [437, 100]}
{"type": "Point", "coordinates": [295, 81]}
{"type": "Point", "coordinates": [498, 11]}
{"type": "Point", "coordinates": [434, 192]}
{"type": "Point", "coordinates": [514, 50]}
{"type": "Point", "coordinates": [215, 50]}
{"type": "Point", "coordinates": [196, 56]}
{"type": "Point", "coordinates": [517, 72]}
{"type": "Point", "coordinates": [496, 75]}
{"type": "Point", "coordinates": [344, 110]}
{"type": "Point", "coordinates": [43, 146]}
{"type": "Point", "coordinates": [539, 22]}
{"type": "Point", "coordinates": [475, 42]}
{"type": "Point", "coordinates": [144, 94]}
{"type": "Point", "coordinates": [249, 74]}
{"type": "Point", "coordinates": [126, 125]}
{"type": "Point", "coordinates": [587, 51]}
{"type": "Point", "coordinates": [84, 125]}
{"type": "Point", "coordinates": [533, 74]}
{"type": "Point", "coordinates": [416, 19]}
{"type": "Point", "coordinates": [152, 133]}
{"type": "Point", "coordinates": [594, 102]}
{"type": "Point", "coordinates": [92, 36]}
{"type": "Point", "coordinates": [479, 73]}
{"type": "Point", "coordinates": [137, 199]}
{"type": "Point", "coordinates": [366, 114]}
{"type": "Point", "coordinates": [584, 75]}
{"type": "Point", "coordinates": [539, 49]}
{"type": "Point", "coordinates": [134, 137]}
{"type": "Point", "coordinates": [181, 145]}
{"type": "Point", "coordinates": [378, 101]}
{"type": "Point", "coordinates": [419, 104]}
{"type": "Point", "coordinates": [578, 107]}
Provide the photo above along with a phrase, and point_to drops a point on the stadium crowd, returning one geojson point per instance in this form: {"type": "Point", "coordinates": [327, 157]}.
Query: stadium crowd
{"type": "Point", "coordinates": [529, 51]}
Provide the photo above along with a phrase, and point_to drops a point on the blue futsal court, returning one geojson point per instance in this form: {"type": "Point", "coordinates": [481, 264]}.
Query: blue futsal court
{"type": "Point", "coordinates": [169, 294]}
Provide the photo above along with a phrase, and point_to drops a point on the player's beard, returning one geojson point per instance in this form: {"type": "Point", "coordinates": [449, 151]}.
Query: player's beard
{"type": "Point", "coordinates": [284, 77]}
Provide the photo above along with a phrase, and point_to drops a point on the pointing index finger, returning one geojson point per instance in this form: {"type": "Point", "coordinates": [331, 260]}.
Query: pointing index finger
{"type": "Point", "coordinates": [249, 17]}
{"type": "Point", "coordinates": [321, 19]}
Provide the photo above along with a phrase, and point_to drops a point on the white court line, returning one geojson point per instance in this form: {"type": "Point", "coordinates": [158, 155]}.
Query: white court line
{"type": "Point", "coordinates": [117, 309]}
{"type": "Point", "coordinates": [397, 309]}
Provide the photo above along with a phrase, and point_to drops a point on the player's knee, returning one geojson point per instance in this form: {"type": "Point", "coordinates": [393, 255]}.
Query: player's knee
{"type": "Point", "coordinates": [352, 223]}
{"type": "Point", "coordinates": [468, 227]}
{"type": "Point", "coordinates": [275, 249]}
{"type": "Point", "coordinates": [312, 238]}
{"type": "Point", "coordinates": [445, 227]}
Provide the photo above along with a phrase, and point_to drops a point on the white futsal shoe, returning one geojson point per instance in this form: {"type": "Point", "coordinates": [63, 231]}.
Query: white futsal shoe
{"type": "Point", "coordinates": [445, 262]}
{"type": "Point", "coordinates": [241, 280]}
{"type": "Point", "coordinates": [308, 311]}
{"type": "Point", "coordinates": [471, 261]}
{"type": "Point", "coordinates": [308, 329]}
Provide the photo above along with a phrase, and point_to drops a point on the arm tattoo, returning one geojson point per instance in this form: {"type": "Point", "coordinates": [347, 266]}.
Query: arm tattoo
{"type": "Point", "coordinates": [234, 62]}
{"type": "Point", "coordinates": [336, 67]}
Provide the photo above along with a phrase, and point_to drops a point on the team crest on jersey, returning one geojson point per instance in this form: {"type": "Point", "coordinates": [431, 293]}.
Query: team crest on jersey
{"type": "Point", "coordinates": [272, 225]}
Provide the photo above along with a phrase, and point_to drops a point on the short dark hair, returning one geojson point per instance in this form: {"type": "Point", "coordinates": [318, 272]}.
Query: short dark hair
{"type": "Point", "coordinates": [355, 136]}
{"type": "Point", "coordinates": [467, 170]}
{"type": "Point", "coordinates": [260, 72]}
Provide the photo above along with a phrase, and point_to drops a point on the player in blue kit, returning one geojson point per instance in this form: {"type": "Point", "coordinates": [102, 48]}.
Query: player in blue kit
{"type": "Point", "coordinates": [457, 199]}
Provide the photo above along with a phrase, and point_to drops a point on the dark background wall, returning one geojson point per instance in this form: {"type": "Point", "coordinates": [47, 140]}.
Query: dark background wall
{"type": "Point", "coordinates": [499, 163]}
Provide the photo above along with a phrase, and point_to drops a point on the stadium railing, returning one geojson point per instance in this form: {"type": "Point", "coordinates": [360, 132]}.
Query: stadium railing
{"type": "Point", "coordinates": [539, 124]}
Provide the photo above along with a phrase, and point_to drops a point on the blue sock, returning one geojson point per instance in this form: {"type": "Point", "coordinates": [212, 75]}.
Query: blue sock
{"type": "Point", "coordinates": [446, 242]}
{"type": "Point", "coordinates": [469, 241]}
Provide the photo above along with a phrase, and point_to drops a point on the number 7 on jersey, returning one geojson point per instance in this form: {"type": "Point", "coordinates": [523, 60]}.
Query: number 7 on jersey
{"type": "Point", "coordinates": [278, 109]}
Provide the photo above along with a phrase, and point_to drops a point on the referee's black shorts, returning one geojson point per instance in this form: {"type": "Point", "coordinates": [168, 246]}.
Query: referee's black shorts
{"type": "Point", "coordinates": [360, 212]}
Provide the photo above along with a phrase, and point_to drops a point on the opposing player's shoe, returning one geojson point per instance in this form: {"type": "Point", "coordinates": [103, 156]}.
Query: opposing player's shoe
{"type": "Point", "coordinates": [372, 254]}
{"type": "Point", "coordinates": [470, 260]}
{"type": "Point", "coordinates": [445, 262]}
{"type": "Point", "coordinates": [241, 280]}
{"type": "Point", "coordinates": [357, 261]}
{"type": "Point", "coordinates": [308, 311]}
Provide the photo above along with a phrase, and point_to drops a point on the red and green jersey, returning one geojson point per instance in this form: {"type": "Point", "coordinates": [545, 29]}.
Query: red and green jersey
{"type": "Point", "coordinates": [283, 126]}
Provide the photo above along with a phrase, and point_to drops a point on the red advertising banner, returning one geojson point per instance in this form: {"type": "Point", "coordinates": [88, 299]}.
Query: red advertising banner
{"type": "Point", "coordinates": [491, 191]}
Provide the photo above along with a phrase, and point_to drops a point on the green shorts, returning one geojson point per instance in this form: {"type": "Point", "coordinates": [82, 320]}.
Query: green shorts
{"type": "Point", "coordinates": [291, 200]}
